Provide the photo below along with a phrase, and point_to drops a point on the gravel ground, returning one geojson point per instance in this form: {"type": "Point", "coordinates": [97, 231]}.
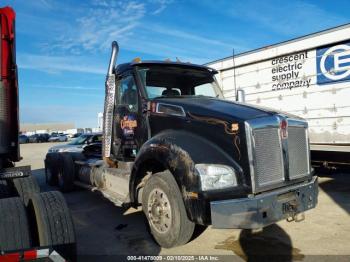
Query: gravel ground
{"type": "Point", "coordinates": [104, 230]}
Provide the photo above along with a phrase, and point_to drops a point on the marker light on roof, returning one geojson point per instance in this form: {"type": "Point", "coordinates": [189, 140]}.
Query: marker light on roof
{"type": "Point", "coordinates": [137, 60]}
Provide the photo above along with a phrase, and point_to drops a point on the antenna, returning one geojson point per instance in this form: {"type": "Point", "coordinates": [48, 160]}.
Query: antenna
{"type": "Point", "coordinates": [234, 72]}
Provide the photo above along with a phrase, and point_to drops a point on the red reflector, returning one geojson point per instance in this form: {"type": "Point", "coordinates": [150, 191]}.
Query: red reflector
{"type": "Point", "coordinates": [14, 257]}
{"type": "Point", "coordinates": [30, 255]}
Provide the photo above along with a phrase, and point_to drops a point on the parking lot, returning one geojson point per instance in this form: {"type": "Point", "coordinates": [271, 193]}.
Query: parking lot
{"type": "Point", "coordinates": [104, 230]}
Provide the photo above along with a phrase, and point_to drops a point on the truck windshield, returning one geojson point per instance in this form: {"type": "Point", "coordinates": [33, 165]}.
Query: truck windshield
{"type": "Point", "coordinates": [173, 81]}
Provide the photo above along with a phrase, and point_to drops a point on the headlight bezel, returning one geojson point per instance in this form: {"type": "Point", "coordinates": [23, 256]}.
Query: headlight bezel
{"type": "Point", "coordinates": [215, 175]}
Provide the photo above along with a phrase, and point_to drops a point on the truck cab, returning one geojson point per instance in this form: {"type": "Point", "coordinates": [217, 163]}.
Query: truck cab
{"type": "Point", "coordinates": [172, 144]}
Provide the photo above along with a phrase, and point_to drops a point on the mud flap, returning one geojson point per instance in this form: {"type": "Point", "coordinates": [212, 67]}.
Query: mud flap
{"type": "Point", "coordinates": [15, 172]}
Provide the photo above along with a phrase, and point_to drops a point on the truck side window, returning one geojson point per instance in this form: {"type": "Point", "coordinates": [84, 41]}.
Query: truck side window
{"type": "Point", "coordinates": [205, 90]}
{"type": "Point", "coordinates": [128, 95]}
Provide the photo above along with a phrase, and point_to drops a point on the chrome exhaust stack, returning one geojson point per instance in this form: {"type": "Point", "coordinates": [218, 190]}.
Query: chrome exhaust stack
{"type": "Point", "coordinates": [109, 105]}
{"type": "Point", "coordinates": [113, 59]}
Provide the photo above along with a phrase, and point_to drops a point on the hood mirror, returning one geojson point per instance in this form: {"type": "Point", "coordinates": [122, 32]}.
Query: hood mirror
{"type": "Point", "coordinates": [240, 95]}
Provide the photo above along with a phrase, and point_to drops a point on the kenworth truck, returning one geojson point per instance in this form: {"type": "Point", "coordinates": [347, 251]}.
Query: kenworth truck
{"type": "Point", "coordinates": [33, 225]}
{"type": "Point", "coordinates": [174, 146]}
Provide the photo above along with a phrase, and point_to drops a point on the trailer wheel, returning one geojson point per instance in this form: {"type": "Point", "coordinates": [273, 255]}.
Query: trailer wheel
{"type": "Point", "coordinates": [4, 189]}
{"type": "Point", "coordinates": [66, 173]}
{"type": "Point", "coordinates": [25, 186]}
{"type": "Point", "coordinates": [164, 208]}
{"type": "Point", "coordinates": [14, 227]}
{"type": "Point", "coordinates": [51, 169]}
{"type": "Point", "coordinates": [54, 224]}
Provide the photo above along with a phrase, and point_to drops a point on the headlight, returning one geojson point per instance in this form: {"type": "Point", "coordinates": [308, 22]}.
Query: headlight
{"type": "Point", "coordinates": [216, 176]}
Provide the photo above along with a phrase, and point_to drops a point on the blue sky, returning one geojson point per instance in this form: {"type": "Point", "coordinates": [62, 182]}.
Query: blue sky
{"type": "Point", "coordinates": [63, 46]}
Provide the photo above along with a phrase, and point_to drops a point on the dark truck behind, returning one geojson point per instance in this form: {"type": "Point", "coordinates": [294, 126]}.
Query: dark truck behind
{"type": "Point", "coordinates": [174, 146]}
{"type": "Point", "coordinates": [33, 225]}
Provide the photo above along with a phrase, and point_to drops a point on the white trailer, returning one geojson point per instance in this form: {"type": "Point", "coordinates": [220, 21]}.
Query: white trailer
{"type": "Point", "coordinates": [307, 76]}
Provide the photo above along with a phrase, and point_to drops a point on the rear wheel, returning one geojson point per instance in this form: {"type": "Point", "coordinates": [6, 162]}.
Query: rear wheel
{"type": "Point", "coordinates": [51, 168]}
{"type": "Point", "coordinates": [164, 208]}
{"type": "Point", "coordinates": [14, 227]}
{"type": "Point", "coordinates": [66, 173]}
{"type": "Point", "coordinates": [25, 186]}
{"type": "Point", "coordinates": [54, 224]}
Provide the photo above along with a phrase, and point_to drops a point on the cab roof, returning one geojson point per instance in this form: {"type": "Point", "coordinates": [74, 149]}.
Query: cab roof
{"type": "Point", "coordinates": [129, 66]}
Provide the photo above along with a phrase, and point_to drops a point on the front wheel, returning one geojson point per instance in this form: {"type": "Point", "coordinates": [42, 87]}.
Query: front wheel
{"type": "Point", "coordinates": [164, 208]}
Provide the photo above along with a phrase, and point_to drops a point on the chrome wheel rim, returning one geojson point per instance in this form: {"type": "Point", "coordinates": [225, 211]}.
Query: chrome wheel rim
{"type": "Point", "coordinates": [159, 211]}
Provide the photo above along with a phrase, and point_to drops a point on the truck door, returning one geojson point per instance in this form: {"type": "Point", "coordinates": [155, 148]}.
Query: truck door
{"type": "Point", "coordinates": [127, 118]}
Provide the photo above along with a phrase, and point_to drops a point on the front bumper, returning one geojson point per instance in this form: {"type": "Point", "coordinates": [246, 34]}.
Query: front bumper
{"type": "Point", "coordinates": [266, 208]}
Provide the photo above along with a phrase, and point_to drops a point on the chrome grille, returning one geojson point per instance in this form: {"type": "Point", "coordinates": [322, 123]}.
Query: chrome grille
{"type": "Point", "coordinates": [268, 156]}
{"type": "Point", "coordinates": [298, 153]}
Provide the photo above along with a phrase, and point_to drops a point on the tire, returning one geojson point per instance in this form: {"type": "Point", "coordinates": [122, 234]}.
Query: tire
{"type": "Point", "coordinates": [51, 168]}
{"type": "Point", "coordinates": [14, 227]}
{"type": "Point", "coordinates": [163, 187]}
{"type": "Point", "coordinates": [4, 189]}
{"type": "Point", "coordinates": [25, 186]}
{"type": "Point", "coordinates": [66, 173]}
{"type": "Point", "coordinates": [54, 223]}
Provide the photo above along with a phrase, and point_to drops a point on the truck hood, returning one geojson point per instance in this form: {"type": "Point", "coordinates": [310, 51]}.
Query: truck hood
{"type": "Point", "coordinates": [219, 108]}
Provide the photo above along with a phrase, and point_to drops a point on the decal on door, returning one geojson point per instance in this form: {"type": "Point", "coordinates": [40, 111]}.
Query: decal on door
{"type": "Point", "coordinates": [333, 63]}
{"type": "Point", "coordinates": [128, 125]}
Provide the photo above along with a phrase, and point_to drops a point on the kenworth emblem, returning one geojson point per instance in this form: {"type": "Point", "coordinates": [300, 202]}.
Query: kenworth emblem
{"type": "Point", "coordinates": [284, 129]}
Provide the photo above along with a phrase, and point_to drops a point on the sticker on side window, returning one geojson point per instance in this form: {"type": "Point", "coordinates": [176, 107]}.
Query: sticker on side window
{"type": "Point", "coordinates": [128, 125]}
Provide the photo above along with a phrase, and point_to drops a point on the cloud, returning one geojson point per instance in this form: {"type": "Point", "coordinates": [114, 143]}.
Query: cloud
{"type": "Point", "coordinates": [93, 29]}
{"type": "Point", "coordinates": [291, 18]}
{"type": "Point", "coordinates": [45, 4]}
{"type": "Point", "coordinates": [99, 25]}
{"type": "Point", "coordinates": [95, 25]}
{"type": "Point", "coordinates": [162, 5]}
{"type": "Point", "coordinates": [57, 64]}
{"type": "Point", "coordinates": [189, 36]}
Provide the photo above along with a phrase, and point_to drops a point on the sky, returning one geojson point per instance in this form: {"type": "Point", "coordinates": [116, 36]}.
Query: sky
{"type": "Point", "coordinates": [63, 46]}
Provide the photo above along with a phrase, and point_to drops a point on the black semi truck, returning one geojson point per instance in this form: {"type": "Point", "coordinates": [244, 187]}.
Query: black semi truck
{"type": "Point", "coordinates": [33, 225]}
{"type": "Point", "coordinates": [172, 144]}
